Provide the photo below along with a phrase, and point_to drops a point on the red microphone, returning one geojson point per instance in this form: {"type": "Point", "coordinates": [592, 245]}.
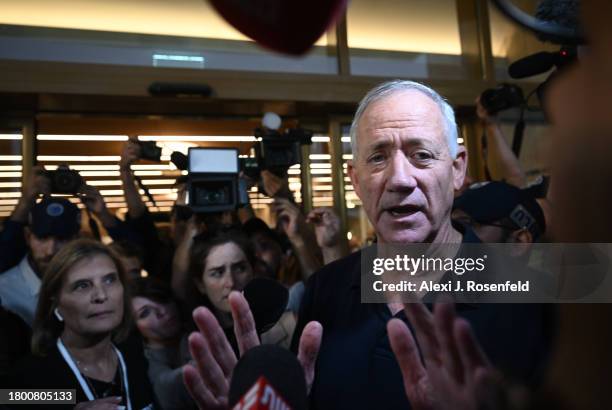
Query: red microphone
{"type": "Point", "coordinates": [268, 377]}
{"type": "Point", "coordinates": [262, 396]}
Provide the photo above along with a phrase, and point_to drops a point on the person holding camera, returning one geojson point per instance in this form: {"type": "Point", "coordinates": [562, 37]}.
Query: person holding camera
{"type": "Point", "coordinates": [12, 241]}
{"type": "Point", "coordinates": [499, 158]}
{"type": "Point", "coordinates": [52, 223]}
{"type": "Point", "coordinates": [157, 257]}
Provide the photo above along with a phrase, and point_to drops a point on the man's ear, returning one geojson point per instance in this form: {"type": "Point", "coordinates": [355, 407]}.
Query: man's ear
{"type": "Point", "coordinates": [522, 241]}
{"type": "Point", "coordinates": [459, 167]}
{"type": "Point", "coordinates": [27, 233]}
{"type": "Point", "coordinates": [352, 172]}
{"type": "Point", "coordinates": [522, 236]}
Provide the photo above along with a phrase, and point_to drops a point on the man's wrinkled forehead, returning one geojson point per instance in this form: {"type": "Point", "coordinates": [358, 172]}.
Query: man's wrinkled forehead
{"type": "Point", "coordinates": [402, 112]}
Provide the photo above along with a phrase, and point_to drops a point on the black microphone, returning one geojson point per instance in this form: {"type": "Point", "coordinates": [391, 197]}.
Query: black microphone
{"type": "Point", "coordinates": [268, 300]}
{"type": "Point", "coordinates": [533, 64]}
{"type": "Point", "coordinates": [268, 377]}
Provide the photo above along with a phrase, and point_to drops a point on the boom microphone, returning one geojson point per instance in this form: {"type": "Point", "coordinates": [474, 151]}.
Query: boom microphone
{"type": "Point", "coordinates": [268, 377]}
{"type": "Point", "coordinates": [532, 65]}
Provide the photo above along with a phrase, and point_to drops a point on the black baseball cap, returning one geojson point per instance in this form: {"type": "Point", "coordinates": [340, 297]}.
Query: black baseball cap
{"type": "Point", "coordinates": [56, 217]}
{"type": "Point", "coordinates": [492, 201]}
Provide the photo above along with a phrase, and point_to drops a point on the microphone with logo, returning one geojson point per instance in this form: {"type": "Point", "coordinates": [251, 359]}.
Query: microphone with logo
{"type": "Point", "coordinates": [268, 300]}
{"type": "Point", "coordinates": [268, 377]}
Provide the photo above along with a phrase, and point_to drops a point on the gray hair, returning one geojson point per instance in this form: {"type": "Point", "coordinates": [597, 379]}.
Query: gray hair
{"type": "Point", "coordinates": [390, 87]}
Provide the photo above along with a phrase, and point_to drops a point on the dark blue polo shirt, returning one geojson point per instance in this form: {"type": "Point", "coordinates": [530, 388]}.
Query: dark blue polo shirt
{"type": "Point", "coordinates": [356, 368]}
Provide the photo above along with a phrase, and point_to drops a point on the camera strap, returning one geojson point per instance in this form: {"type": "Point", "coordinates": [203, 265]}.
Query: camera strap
{"type": "Point", "coordinates": [517, 139]}
{"type": "Point", "coordinates": [145, 189]}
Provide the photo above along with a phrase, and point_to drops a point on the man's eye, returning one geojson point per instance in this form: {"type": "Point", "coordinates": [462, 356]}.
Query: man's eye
{"type": "Point", "coordinates": [422, 155]}
{"type": "Point", "coordinates": [376, 158]}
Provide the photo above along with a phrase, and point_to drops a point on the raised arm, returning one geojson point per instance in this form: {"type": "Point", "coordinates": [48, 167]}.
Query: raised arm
{"type": "Point", "coordinates": [500, 159]}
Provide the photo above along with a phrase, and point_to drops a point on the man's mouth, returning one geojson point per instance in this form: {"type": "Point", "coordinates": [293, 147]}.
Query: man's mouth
{"type": "Point", "coordinates": [402, 210]}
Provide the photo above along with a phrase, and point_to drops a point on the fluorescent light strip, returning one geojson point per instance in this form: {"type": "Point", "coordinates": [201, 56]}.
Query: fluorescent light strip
{"type": "Point", "coordinates": [5, 214]}
{"type": "Point", "coordinates": [347, 156]}
{"type": "Point", "coordinates": [323, 188]}
{"type": "Point", "coordinates": [10, 167]}
{"type": "Point", "coordinates": [13, 137]}
{"type": "Point", "coordinates": [70, 158]}
{"type": "Point", "coordinates": [10, 184]}
{"type": "Point", "coordinates": [320, 171]}
{"type": "Point", "coordinates": [87, 167]}
{"type": "Point", "coordinates": [54, 137]}
{"type": "Point", "coordinates": [320, 139]}
{"type": "Point", "coordinates": [158, 181]}
{"type": "Point", "coordinates": [312, 166]}
{"type": "Point", "coordinates": [320, 156]}
{"type": "Point", "coordinates": [198, 138]}
{"type": "Point", "coordinates": [10, 157]}
{"type": "Point", "coordinates": [154, 167]}
{"type": "Point", "coordinates": [7, 208]}
{"type": "Point", "coordinates": [10, 194]}
{"type": "Point", "coordinates": [8, 201]}
{"type": "Point", "coordinates": [10, 174]}
{"type": "Point", "coordinates": [104, 183]}
{"type": "Point", "coordinates": [345, 139]}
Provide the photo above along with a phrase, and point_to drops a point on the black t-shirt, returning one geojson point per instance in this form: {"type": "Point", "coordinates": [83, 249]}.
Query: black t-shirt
{"type": "Point", "coordinates": [356, 368]}
{"type": "Point", "coordinates": [52, 372]}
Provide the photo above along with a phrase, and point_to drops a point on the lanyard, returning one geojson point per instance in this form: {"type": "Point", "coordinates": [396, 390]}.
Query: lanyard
{"type": "Point", "coordinates": [83, 383]}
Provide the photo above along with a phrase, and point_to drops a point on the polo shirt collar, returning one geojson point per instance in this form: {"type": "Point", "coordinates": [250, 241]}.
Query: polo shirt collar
{"type": "Point", "coordinates": [29, 276]}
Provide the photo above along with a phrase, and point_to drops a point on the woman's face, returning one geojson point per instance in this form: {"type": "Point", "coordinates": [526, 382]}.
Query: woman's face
{"type": "Point", "coordinates": [226, 268]}
{"type": "Point", "coordinates": [157, 322]}
{"type": "Point", "coordinates": [91, 297]}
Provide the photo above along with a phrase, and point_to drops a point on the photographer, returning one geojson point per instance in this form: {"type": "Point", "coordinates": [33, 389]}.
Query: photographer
{"type": "Point", "coordinates": [52, 223]}
{"type": "Point", "coordinates": [292, 223]}
{"type": "Point", "coordinates": [157, 255]}
{"type": "Point", "coordinates": [12, 241]}
{"type": "Point", "coordinates": [330, 238]}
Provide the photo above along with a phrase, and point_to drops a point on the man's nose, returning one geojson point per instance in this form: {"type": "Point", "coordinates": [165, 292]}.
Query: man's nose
{"type": "Point", "coordinates": [401, 174]}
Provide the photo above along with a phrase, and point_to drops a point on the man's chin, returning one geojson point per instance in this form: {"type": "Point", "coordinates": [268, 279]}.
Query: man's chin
{"type": "Point", "coordinates": [416, 235]}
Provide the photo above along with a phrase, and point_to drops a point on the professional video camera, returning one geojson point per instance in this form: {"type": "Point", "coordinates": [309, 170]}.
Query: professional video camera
{"type": "Point", "coordinates": [149, 150]}
{"type": "Point", "coordinates": [212, 183]}
{"type": "Point", "coordinates": [275, 151]}
{"type": "Point", "coordinates": [64, 180]}
{"type": "Point", "coordinates": [502, 97]}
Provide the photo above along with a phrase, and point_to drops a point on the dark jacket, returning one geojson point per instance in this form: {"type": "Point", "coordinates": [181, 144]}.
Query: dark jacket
{"type": "Point", "coordinates": [52, 372]}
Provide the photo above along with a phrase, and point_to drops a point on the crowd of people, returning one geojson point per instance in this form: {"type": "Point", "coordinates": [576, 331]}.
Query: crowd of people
{"type": "Point", "coordinates": [77, 314]}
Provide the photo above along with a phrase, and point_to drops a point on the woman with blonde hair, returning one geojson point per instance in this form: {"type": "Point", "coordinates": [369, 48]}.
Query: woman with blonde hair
{"type": "Point", "coordinates": [83, 309]}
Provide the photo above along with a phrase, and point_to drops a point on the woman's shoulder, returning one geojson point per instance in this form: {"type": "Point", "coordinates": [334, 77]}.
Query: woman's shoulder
{"type": "Point", "coordinates": [41, 371]}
